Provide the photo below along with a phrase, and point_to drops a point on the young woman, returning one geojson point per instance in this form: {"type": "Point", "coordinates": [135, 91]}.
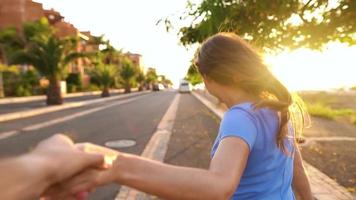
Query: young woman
{"type": "Point", "coordinates": [254, 155]}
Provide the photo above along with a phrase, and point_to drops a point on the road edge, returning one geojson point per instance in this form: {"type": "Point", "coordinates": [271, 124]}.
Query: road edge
{"type": "Point", "coordinates": [323, 187]}
{"type": "Point", "coordinates": [8, 100]}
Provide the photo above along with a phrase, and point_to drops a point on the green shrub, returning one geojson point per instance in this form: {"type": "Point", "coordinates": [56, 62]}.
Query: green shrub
{"type": "Point", "coordinates": [321, 110]}
{"type": "Point", "coordinates": [21, 84]}
{"type": "Point", "coordinates": [91, 87]}
{"type": "Point", "coordinates": [71, 88]}
{"type": "Point", "coordinates": [74, 82]}
{"type": "Point", "coordinates": [353, 119]}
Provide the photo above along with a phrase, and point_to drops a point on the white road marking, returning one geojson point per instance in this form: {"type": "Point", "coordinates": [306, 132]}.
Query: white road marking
{"type": "Point", "coordinates": [7, 134]}
{"type": "Point", "coordinates": [63, 119]}
{"type": "Point", "coordinates": [155, 149]}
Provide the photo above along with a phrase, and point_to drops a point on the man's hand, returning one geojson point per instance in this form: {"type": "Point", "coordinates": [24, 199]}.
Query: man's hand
{"type": "Point", "coordinates": [52, 161]}
{"type": "Point", "coordinates": [87, 180]}
{"type": "Point", "coordinates": [62, 159]}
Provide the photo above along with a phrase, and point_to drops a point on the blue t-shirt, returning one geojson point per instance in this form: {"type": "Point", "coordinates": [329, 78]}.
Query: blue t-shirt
{"type": "Point", "coordinates": [269, 172]}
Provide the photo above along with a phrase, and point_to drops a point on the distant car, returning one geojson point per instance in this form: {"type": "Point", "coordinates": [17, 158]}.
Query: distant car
{"type": "Point", "coordinates": [161, 86]}
{"type": "Point", "coordinates": [184, 87]}
{"type": "Point", "coordinates": [155, 87]}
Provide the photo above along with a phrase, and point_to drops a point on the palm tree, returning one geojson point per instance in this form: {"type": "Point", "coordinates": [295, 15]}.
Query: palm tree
{"type": "Point", "coordinates": [151, 77]}
{"type": "Point", "coordinates": [127, 73]}
{"type": "Point", "coordinates": [105, 75]}
{"type": "Point", "coordinates": [140, 78]}
{"type": "Point", "coordinates": [50, 59]}
{"type": "Point", "coordinates": [48, 54]}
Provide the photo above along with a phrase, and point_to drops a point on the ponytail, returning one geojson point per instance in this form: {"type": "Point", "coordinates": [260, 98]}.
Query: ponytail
{"type": "Point", "coordinates": [274, 95]}
{"type": "Point", "coordinates": [281, 103]}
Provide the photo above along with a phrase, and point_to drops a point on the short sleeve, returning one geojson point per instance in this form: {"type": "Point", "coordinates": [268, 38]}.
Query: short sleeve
{"type": "Point", "coordinates": [240, 123]}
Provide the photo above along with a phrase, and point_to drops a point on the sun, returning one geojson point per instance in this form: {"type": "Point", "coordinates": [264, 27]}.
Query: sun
{"type": "Point", "coordinates": [306, 69]}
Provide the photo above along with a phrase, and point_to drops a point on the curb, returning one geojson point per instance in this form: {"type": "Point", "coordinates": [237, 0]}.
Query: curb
{"type": "Point", "coordinates": [323, 187]}
{"type": "Point", "coordinates": [39, 111]}
{"type": "Point", "coordinates": [155, 149]}
{"type": "Point", "coordinates": [8, 100]}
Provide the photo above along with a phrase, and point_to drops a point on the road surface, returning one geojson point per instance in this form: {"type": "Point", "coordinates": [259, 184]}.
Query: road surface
{"type": "Point", "coordinates": [129, 118]}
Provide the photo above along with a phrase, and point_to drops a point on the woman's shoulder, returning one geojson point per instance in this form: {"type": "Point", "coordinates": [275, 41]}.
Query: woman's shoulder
{"type": "Point", "coordinates": [248, 110]}
{"type": "Point", "coordinates": [245, 108]}
{"type": "Point", "coordinates": [242, 112]}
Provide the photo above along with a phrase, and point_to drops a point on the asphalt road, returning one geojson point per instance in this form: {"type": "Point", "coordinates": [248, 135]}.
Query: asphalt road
{"type": "Point", "coordinates": [135, 120]}
{"type": "Point", "coordinates": [16, 107]}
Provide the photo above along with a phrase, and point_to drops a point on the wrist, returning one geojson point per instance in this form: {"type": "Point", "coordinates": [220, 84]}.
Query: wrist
{"type": "Point", "coordinates": [122, 168]}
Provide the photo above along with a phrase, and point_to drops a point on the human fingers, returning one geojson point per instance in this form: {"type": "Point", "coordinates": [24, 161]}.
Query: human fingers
{"type": "Point", "coordinates": [110, 154]}
{"type": "Point", "coordinates": [56, 140]}
{"type": "Point", "coordinates": [85, 181]}
{"type": "Point", "coordinates": [85, 161]}
{"type": "Point", "coordinates": [59, 197]}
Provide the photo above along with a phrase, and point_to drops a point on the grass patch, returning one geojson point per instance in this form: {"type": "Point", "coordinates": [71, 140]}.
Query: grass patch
{"type": "Point", "coordinates": [324, 111]}
{"type": "Point", "coordinates": [353, 119]}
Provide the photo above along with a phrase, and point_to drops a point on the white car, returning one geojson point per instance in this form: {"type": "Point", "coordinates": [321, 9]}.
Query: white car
{"type": "Point", "coordinates": [184, 87]}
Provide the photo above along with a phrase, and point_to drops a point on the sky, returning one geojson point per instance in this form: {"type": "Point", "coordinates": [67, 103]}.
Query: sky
{"type": "Point", "coordinates": [305, 69]}
{"type": "Point", "coordinates": [131, 25]}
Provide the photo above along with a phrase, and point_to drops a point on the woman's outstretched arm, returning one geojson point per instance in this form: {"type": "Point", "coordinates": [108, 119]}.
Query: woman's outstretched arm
{"type": "Point", "coordinates": [300, 179]}
{"type": "Point", "coordinates": [174, 182]}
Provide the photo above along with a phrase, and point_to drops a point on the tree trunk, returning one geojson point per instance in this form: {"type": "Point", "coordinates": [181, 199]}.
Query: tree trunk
{"type": "Point", "coordinates": [127, 88]}
{"type": "Point", "coordinates": [2, 93]}
{"type": "Point", "coordinates": [54, 95]}
{"type": "Point", "coordinates": [105, 92]}
{"type": "Point", "coordinates": [140, 87]}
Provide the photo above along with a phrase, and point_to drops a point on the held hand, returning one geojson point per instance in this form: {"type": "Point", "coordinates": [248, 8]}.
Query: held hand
{"type": "Point", "coordinates": [62, 159]}
{"type": "Point", "coordinates": [88, 179]}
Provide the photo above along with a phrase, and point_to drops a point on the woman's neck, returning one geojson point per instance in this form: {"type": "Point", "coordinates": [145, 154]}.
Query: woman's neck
{"type": "Point", "coordinates": [232, 97]}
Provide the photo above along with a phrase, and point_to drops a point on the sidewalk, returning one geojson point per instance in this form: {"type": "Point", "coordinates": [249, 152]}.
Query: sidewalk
{"type": "Point", "coordinates": [8, 100]}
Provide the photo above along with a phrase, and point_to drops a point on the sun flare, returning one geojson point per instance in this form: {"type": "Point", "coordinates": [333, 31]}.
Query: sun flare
{"type": "Point", "coordinates": [306, 69]}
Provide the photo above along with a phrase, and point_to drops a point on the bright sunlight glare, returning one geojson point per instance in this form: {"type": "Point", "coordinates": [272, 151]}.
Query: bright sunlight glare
{"type": "Point", "coordinates": [306, 69]}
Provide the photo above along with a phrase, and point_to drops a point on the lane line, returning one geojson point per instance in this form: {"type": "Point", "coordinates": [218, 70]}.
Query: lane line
{"type": "Point", "coordinates": [63, 119]}
{"type": "Point", "coordinates": [155, 149]}
{"type": "Point", "coordinates": [7, 134]}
